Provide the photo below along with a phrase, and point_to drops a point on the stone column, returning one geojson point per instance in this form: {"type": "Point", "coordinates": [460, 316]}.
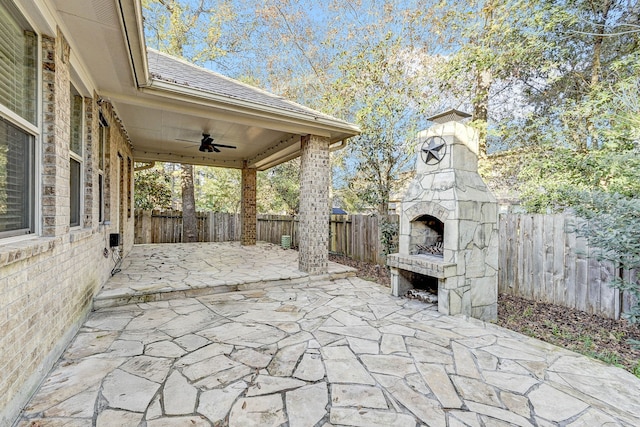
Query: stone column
{"type": "Point", "coordinates": [314, 205]}
{"type": "Point", "coordinates": [248, 210]}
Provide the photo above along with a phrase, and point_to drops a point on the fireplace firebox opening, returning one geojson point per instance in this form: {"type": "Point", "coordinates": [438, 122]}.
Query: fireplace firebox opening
{"type": "Point", "coordinates": [425, 288]}
{"type": "Point", "coordinates": [427, 236]}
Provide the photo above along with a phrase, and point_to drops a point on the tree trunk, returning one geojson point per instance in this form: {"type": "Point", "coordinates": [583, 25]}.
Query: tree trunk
{"type": "Point", "coordinates": [596, 65]}
{"type": "Point", "coordinates": [481, 108]}
{"type": "Point", "coordinates": [189, 220]}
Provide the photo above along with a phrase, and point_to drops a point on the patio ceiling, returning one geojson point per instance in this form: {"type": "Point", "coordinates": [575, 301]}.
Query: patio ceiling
{"type": "Point", "coordinates": [166, 104]}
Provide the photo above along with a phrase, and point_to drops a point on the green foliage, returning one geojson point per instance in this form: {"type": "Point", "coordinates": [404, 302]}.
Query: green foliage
{"type": "Point", "coordinates": [554, 179]}
{"type": "Point", "coordinates": [611, 228]}
{"type": "Point", "coordinates": [383, 93]}
{"type": "Point", "coordinates": [591, 62]}
{"type": "Point", "coordinates": [217, 189]}
{"type": "Point", "coordinates": [199, 31]}
{"type": "Point", "coordinates": [536, 74]}
{"type": "Point", "coordinates": [496, 47]}
{"type": "Point", "coordinates": [389, 231]}
{"type": "Point", "coordinates": [279, 189]}
{"type": "Point", "coordinates": [152, 189]}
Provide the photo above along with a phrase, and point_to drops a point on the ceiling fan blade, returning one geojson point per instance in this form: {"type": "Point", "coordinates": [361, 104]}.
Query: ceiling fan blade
{"type": "Point", "coordinates": [223, 146]}
{"type": "Point", "coordinates": [207, 144]}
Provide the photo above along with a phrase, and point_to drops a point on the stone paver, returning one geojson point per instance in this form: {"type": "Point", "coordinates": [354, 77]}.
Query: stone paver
{"type": "Point", "coordinates": [334, 352]}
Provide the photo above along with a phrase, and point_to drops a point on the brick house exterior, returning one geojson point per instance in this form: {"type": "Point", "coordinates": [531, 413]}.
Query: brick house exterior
{"type": "Point", "coordinates": [49, 277]}
{"type": "Point", "coordinates": [69, 136]}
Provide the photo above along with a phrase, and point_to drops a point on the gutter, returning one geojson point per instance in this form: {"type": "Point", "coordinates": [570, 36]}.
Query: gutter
{"type": "Point", "coordinates": [339, 145]}
{"type": "Point", "coordinates": [131, 20]}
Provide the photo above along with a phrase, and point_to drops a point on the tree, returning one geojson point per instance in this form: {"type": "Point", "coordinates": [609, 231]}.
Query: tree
{"type": "Point", "coordinates": [495, 51]}
{"type": "Point", "coordinates": [590, 132]}
{"type": "Point", "coordinates": [218, 189]}
{"type": "Point", "coordinates": [197, 30]}
{"type": "Point", "coordinates": [279, 189]}
{"type": "Point", "coordinates": [386, 96]}
{"type": "Point", "coordinates": [593, 47]}
{"type": "Point", "coordinates": [555, 179]}
{"type": "Point", "coordinates": [178, 28]}
{"type": "Point", "coordinates": [189, 219]}
{"type": "Point", "coordinates": [152, 189]}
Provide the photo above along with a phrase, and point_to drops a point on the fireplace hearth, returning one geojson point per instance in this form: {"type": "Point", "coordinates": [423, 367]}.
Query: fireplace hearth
{"type": "Point", "coordinates": [448, 224]}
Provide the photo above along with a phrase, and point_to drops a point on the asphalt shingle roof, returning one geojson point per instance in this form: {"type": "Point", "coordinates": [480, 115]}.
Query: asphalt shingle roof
{"type": "Point", "coordinates": [174, 70]}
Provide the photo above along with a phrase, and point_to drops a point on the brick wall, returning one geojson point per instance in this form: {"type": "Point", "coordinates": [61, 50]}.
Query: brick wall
{"type": "Point", "coordinates": [55, 156]}
{"type": "Point", "coordinates": [47, 283]}
{"type": "Point", "coordinates": [314, 205]}
{"type": "Point", "coordinates": [249, 221]}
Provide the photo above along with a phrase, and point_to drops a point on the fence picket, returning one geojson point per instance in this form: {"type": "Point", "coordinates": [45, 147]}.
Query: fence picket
{"type": "Point", "coordinates": [559, 249]}
{"type": "Point", "coordinates": [538, 283]}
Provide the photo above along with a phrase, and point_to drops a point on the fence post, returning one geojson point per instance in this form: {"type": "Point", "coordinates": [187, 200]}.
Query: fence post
{"type": "Point", "coordinates": [145, 223]}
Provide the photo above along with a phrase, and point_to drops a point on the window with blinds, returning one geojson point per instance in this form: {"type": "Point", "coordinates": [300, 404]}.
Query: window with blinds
{"type": "Point", "coordinates": [18, 93]}
{"type": "Point", "coordinates": [18, 60]}
{"type": "Point", "coordinates": [16, 183]}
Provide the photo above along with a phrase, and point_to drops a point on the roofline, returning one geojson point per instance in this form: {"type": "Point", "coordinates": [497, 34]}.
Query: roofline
{"type": "Point", "coordinates": [168, 89]}
{"type": "Point", "coordinates": [131, 17]}
{"type": "Point", "coordinates": [131, 20]}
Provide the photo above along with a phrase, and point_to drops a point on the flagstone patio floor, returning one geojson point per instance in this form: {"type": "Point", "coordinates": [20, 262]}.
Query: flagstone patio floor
{"type": "Point", "coordinates": [295, 350]}
{"type": "Point", "coordinates": [159, 272]}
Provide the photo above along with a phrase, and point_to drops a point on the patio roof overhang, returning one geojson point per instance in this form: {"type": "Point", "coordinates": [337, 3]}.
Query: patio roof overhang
{"type": "Point", "coordinates": [166, 104]}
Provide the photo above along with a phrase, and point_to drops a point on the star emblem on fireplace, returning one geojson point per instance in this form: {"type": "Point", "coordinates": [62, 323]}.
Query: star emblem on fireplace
{"type": "Point", "coordinates": [433, 149]}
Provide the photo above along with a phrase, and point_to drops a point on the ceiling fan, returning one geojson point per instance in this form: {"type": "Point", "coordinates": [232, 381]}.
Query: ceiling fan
{"type": "Point", "coordinates": [207, 144]}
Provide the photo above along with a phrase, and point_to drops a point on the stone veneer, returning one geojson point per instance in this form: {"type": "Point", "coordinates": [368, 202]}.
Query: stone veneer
{"type": "Point", "coordinates": [314, 205]}
{"type": "Point", "coordinates": [453, 192]}
{"type": "Point", "coordinates": [249, 219]}
{"type": "Point", "coordinates": [48, 281]}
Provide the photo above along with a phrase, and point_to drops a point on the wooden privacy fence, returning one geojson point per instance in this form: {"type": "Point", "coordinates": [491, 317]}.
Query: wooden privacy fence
{"type": "Point", "coordinates": [271, 228]}
{"type": "Point", "coordinates": [354, 236]}
{"type": "Point", "coordinates": [542, 259]}
{"type": "Point", "coordinates": [166, 227]}
{"type": "Point", "coordinates": [357, 237]}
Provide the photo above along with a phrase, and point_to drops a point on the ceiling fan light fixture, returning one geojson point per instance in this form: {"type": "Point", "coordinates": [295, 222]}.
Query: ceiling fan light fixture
{"type": "Point", "coordinates": [206, 143]}
{"type": "Point", "coordinates": [206, 139]}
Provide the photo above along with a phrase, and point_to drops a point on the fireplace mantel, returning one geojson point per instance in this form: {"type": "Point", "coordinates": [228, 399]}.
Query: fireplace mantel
{"type": "Point", "coordinates": [428, 265]}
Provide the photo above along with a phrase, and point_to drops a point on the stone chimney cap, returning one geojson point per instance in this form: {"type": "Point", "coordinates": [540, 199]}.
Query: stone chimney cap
{"type": "Point", "coordinates": [451, 115]}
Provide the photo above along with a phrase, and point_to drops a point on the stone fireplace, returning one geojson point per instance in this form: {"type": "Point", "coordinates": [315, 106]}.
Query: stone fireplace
{"type": "Point", "coordinates": [448, 224]}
